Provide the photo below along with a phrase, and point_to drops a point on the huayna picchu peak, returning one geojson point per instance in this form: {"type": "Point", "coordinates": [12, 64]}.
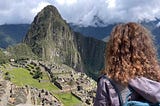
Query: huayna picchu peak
{"type": "Point", "coordinates": [51, 38]}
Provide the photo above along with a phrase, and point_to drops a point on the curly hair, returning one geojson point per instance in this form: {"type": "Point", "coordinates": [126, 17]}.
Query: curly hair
{"type": "Point", "coordinates": [130, 52]}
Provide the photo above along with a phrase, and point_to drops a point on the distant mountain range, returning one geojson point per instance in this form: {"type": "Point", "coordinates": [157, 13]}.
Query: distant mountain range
{"type": "Point", "coordinates": [14, 33]}
{"type": "Point", "coordinates": [100, 32]}
{"type": "Point", "coordinates": [92, 31]}
{"type": "Point", "coordinates": [11, 34]}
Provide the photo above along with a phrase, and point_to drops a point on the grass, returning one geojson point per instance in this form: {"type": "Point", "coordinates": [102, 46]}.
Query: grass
{"type": "Point", "coordinates": [68, 99]}
{"type": "Point", "coordinates": [21, 77]}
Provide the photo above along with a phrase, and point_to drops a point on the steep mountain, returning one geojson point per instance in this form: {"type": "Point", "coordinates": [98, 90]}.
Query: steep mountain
{"type": "Point", "coordinates": [11, 34]}
{"type": "Point", "coordinates": [154, 27]}
{"type": "Point", "coordinates": [51, 39]}
{"type": "Point", "coordinates": [92, 53]}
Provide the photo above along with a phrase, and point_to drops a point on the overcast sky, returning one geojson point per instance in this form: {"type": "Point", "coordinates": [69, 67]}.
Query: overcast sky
{"type": "Point", "coordinates": [81, 11]}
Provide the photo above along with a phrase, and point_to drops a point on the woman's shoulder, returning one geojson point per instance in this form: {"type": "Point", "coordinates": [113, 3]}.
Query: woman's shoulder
{"type": "Point", "coordinates": [147, 88]}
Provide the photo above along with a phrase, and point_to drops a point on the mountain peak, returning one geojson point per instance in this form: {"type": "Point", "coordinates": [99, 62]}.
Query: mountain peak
{"type": "Point", "coordinates": [48, 13]}
{"type": "Point", "coordinates": [45, 22]}
{"type": "Point", "coordinates": [50, 9]}
{"type": "Point", "coordinates": [51, 38]}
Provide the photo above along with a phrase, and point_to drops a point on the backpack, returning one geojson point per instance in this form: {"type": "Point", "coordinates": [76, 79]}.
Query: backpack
{"type": "Point", "coordinates": [130, 102]}
{"type": "Point", "coordinates": [137, 103]}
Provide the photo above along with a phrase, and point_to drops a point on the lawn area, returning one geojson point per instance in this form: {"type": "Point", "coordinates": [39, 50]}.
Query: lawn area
{"type": "Point", "coordinates": [68, 99]}
{"type": "Point", "coordinates": [21, 77]}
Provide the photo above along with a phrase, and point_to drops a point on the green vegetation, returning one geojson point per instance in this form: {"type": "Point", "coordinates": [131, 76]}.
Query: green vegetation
{"type": "Point", "coordinates": [21, 77]}
{"type": "Point", "coordinates": [67, 100]}
{"type": "Point", "coordinates": [35, 71]}
{"type": "Point", "coordinates": [5, 39]}
{"type": "Point", "coordinates": [37, 74]}
{"type": "Point", "coordinates": [11, 34]}
{"type": "Point", "coordinates": [21, 51]}
{"type": "Point", "coordinates": [3, 57]}
{"type": "Point", "coordinates": [7, 76]}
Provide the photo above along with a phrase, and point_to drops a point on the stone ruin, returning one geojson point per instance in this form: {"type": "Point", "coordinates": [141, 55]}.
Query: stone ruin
{"type": "Point", "coordinates": [12, 95]}
{"type": "Point", "coordinates": [81, 87]}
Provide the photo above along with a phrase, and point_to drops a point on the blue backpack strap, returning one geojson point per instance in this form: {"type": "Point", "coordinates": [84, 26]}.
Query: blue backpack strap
{"type": "Point", "coordinates": [128, 95]}
{"type": "Point", "coordinates": [137, 103]}
{"type": "Point", "coordinates": [116, 89]}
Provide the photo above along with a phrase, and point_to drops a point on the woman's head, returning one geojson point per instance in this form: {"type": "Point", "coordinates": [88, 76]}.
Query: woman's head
{"type": "Point", "coordinates": [130, 52]}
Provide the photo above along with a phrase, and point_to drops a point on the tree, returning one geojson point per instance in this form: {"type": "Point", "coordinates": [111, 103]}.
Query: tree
{"type": "Point", "coordinates": [37, 74]}
{"type": "Point", "coordinates": [7, 76]}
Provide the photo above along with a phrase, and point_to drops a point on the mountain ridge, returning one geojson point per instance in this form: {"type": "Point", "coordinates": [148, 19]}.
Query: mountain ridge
{"type": "Point", "coordinates": [11, 34]}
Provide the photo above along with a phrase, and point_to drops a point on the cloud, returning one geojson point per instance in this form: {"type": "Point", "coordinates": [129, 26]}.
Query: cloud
{"type": "Point", "coordinates": [108, 11]}
{"type": "Point", "coordinates": [84, 12]}
{"type": "Point", "coordinates": [20, 11]}
{"type": "Point", "coordinates": [40, 6]}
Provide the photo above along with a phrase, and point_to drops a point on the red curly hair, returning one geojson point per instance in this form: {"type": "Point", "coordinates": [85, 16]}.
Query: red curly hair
{"type": "Point", "coordinates": [130, 52]}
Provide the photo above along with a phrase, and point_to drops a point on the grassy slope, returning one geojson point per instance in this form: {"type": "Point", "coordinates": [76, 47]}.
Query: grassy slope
{"type": "Point", "coordinates": [21, 77]}
{"type": "Point", "coordinates": [68, 99]}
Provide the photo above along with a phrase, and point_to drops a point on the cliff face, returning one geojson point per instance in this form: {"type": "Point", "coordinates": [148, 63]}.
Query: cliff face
{"type": "Point", "coordinates": [92, 53]}
{"type": "Point", "coordinates": [52, 39]}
